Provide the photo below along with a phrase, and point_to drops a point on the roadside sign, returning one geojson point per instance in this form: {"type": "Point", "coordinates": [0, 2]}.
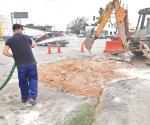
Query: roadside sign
{"type": "Point", "coordinates": [20, 15]}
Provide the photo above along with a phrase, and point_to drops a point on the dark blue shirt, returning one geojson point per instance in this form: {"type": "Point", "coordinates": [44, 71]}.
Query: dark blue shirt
{"type": "Point", "coordinates": [21, 48]}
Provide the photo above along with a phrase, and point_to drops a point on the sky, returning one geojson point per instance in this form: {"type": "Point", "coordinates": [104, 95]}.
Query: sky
{"type": "Point", "coordinates": [61, 12]}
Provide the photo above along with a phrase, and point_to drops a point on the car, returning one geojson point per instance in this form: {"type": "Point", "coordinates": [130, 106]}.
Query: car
{"type": "Point", "coordinates": [53, 38]}
{"type": "Point", "coordinates": [38, 38]}
{"type": "Point", "coordinates": [81, 35]}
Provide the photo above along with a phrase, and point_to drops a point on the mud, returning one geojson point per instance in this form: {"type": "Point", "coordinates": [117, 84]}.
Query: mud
{"type": "Point", "coordinates": [86, 76]}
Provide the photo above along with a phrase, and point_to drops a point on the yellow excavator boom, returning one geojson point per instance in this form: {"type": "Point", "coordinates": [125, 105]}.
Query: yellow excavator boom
{"type": "Point", "coordinates": [122, 24]}
{"type": "Point", "coordinates": [121, 17]}
{"type": "Point", "coordinates": [102, 20]}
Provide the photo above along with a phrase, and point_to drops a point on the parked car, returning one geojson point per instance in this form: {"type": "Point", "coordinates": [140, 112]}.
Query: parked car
{"type": "Point", "coordinates": [53, 38]}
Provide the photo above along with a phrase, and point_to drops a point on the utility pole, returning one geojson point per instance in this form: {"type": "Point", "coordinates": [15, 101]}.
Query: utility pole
{"type": "Point", "coordinates": [12, 18]}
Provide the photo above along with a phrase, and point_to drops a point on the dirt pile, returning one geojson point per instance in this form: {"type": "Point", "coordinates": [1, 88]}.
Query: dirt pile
{"type": "Point", "coordinates": [86, 76]}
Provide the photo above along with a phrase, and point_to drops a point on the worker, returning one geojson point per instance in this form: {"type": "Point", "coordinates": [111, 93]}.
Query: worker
{"type": "Point", "coordinates": [101, 10]}
{"type": "Point", "coordinates": [20, 46]}
{"type": "Point", "coordinates": [148, 21]}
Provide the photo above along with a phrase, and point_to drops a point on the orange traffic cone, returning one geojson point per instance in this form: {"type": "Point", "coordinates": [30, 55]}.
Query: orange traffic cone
{"type": "Point", "coordinates": [82, 47]}
{"type": "Point", "coordinates": [49, 49]}
{"type": "Point", "coordinates": [58, 48]}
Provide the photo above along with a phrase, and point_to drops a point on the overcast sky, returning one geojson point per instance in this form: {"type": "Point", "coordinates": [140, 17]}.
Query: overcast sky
{"type": "Point", "coordinates": [61, 12]}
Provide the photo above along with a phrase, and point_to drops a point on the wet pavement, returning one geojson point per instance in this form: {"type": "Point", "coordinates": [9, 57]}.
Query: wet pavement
{"type": "Point", "coordinates": [52, 106]}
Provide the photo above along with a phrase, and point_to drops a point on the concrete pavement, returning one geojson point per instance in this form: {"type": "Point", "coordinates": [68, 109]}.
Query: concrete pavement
{"type": "Point", "coordinates": [126, 102]}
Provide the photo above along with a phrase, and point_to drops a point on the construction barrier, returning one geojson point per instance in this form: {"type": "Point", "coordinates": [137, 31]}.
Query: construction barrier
{"type": "Point", "coordinates": [112, 46]}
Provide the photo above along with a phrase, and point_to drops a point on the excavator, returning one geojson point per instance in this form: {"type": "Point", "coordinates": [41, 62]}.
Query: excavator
{"type": "Point", "coordinates": [121, 19]}
{"type": "Point", "coordinates": [139, 44]}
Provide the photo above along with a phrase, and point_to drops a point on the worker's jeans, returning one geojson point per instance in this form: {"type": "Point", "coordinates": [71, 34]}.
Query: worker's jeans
{"type": "Point", "coordinates": [28, 81]}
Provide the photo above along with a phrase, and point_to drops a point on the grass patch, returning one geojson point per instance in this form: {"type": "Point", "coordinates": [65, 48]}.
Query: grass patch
{"type": "Point", "coordinates": [83, 116]}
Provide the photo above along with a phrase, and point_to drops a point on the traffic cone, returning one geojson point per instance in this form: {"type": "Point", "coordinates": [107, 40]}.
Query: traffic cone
{"type": "Point", "coordinates": [49, 49]}
{"type": "Point", "coordinates": [82, 47]}
{"type": "Point", "coordinates": [58, 48]}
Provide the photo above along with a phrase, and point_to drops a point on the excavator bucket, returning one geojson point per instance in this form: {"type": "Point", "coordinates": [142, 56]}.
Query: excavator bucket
{"type": "Point", "coordinates": [88, 43]}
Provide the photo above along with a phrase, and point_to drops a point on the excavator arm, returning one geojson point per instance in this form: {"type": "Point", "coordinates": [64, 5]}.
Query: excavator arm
{"type": "Point", "coordinates": [122, 22]}
{"type": "Point", "coordinates": [102, 20]}
{"type": "Point", "coordinates": [121, 17]}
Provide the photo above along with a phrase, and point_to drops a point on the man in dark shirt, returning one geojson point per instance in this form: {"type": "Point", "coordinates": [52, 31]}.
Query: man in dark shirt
{"type": "Point", "coordinates": [20, 46]}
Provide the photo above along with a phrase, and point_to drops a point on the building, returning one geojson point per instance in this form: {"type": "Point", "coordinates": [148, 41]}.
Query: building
{"type": "Point", "coordinates": [6, 29]}
{"type": "Point", "coordinates": [110, 29]}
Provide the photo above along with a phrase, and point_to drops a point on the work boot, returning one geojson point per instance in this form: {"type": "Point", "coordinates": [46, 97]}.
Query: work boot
{"type": "Point", "coordinates": [24, 100]}
{"type": "Point", "coordinates": [32, 102]}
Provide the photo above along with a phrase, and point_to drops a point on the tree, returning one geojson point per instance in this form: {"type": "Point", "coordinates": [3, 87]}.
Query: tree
{"type": "Point", "coordinates": [77, 25]}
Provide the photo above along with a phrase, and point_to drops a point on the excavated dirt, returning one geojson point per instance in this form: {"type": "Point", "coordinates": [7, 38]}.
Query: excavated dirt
{"type": "Point", "coordinates": [87, 76]}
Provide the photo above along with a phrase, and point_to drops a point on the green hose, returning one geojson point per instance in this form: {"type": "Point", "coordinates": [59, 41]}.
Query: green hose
{"type": "Point", "coordinates": [8, 78]}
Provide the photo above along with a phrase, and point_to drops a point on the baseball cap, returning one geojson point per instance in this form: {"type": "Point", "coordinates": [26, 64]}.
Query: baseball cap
{"type": "Point", "coordinates": [17, 26]}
